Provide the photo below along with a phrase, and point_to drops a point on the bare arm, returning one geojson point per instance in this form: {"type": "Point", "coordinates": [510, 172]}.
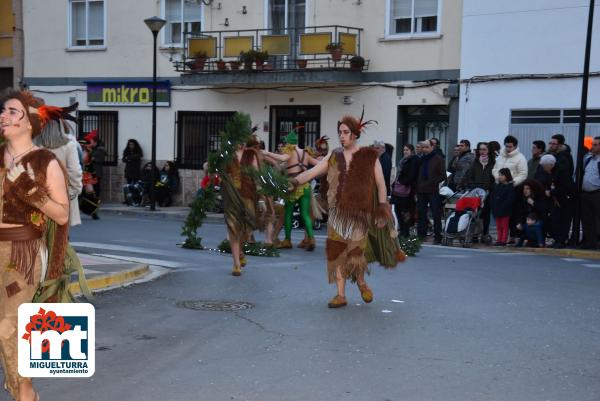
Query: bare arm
{"type": "Point", "coordinates": [57, 206]}
{"type": "Point", "coordinates": [318, 170]}
{"type": "Point", "coordinates": [274, 156]}
{"type": "Point", "coordinates": [311, 160]}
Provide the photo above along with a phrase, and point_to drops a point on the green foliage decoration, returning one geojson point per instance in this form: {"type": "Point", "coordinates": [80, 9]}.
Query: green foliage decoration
{"type": "Point", "coordinates": [255, 249]}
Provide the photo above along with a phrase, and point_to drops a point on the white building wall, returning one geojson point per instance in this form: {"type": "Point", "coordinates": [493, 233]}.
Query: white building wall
{"type": "Point", "coordinates": [522, 37]}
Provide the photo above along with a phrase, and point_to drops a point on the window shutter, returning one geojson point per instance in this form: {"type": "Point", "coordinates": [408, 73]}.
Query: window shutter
{"type": "Point", "coordinates": [401, 9]}
{"type": "Point", "coordinates": [426, 8]}
{"type": "Point", "coordinates": [96, 20]}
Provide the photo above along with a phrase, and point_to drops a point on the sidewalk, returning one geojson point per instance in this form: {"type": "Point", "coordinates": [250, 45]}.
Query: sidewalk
{"type": "Point", "coordinates": [173, 212]}
{"type": "Point", "coordinates": [104, 273]}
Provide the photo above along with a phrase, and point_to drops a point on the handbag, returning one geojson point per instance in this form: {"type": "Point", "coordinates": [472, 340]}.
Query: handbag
{"type": "Point", "coordinates": [401, 190]}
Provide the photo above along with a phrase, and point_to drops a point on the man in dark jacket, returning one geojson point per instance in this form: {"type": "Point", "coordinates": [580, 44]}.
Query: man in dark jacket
{"type": "Point", "coordinates": [431, 174]}
{"type": "Point", "coordinates": [561, 192]}
{"type": "Point", "coordinates": [461, 165]}
{"type": "Point", "coordinates": [562, 153]}
{"type": "Point", "coordinates": [386, 163]}
{"type": "Point", "coordinates": [537, 150]}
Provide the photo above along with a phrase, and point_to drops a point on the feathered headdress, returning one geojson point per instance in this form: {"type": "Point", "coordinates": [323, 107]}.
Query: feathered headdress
{"type": "Point", "coordinates": [322, 143]}
{"type": "Point", "coordinates": [356, 126]}
{"type": "Point", "coordinates": [47, 113]}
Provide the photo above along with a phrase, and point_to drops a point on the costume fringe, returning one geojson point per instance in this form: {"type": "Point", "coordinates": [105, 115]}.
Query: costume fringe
{"type": "Point", "coordinates": [23, 255]}
{"type": "Point", "coordinates": [345, 221]}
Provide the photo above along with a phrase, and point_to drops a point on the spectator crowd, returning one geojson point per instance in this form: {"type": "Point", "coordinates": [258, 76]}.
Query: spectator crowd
{"type": "Point", "coordinates": [531, 201]}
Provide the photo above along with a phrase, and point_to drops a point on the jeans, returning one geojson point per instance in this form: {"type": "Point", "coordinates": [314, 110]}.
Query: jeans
{"type": "Point", "coordinates": [532, 233]}
{"type": "Point", "coordinates": [424, 201]}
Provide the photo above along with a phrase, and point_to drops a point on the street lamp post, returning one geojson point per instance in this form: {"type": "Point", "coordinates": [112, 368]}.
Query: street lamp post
{"type": "Point", "coordinates": [155, 24]}
{"type": "Point", "coordinates": [582, 121]}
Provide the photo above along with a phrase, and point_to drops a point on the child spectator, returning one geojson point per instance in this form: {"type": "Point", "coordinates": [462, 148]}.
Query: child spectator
{"type": "Point", "coordinates": [502, 204]}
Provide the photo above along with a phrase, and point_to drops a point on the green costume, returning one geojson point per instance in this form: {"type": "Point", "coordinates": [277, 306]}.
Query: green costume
{"type": "Point", "coordinates": [303, 194]}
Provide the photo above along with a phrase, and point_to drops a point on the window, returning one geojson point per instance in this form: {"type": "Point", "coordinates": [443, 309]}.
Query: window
{"type": "Point", "coordinates": [181, 16]}
{"type": "Point", "coordinates": [107, 124]}
{"type": "Point", "coordinates": [408, 17]}
{"type": "Point", "coordinates": [86, 23]}
{"type": "Point", "coordinates": [198, 134]}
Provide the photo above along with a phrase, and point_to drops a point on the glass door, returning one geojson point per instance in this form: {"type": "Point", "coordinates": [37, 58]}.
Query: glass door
{"type": "Point", "coordinates": [287, 17]}
{"type": "Point", "coordinates": [286, 118]}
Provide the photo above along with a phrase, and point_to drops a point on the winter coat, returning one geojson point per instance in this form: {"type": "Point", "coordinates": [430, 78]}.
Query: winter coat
{"type": "Point", "coordinates": [564, 159]}
{"type": "Point", "coordinates": [481, 177]}
{"type": "Point", "coordinates": [523, 208]}
{"type": "Point", "coordinates": [431, 174]}
{"type": "Point", "coordinates": [69, 157]}
{"type": "Point", "coordinates": [408, 171]}
{"type": "Point", "coordinates": [532, 166]}
{"type": "Point", "coordinates": [503, 197]}
{"type": "Point", "coordinates": [386, 167]}
{"type": "Point", "coordinates": [515, 162]}
{"type": "Point", "coordinates": [132, 162]}
{"type": "Point", "coordinates": [460, 169]}
{"type": "Point", "coordinates": [98, 155]}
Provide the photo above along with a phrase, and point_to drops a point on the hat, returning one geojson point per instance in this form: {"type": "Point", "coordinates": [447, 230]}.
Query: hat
{"type": "Point", "coordinates": [91, 136]}
{"type": "Point", "coordinates": [292, 137]}
{"type": "Point", "coordinates": [547, 160]}
{"type": "Point", "coordinates": [322, 143]}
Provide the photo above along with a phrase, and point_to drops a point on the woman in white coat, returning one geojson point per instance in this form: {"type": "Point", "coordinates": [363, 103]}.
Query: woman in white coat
{"type": "Point", "coordinates": [53, 139]}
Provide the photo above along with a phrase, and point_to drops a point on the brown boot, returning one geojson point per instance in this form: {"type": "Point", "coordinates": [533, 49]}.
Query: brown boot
{"type": "Point", "coordinates": [236, 271]}
{"type": "Point", "coordinates": [365, 292]}
{"type": "Point", "coordinates": [285, 244]}
{"type": "Point", "coordinates": [310, 244]}
{"type": "Point", "coordinates": [337, 302]}
{"type": "Point", "coordinates": [302, 244]}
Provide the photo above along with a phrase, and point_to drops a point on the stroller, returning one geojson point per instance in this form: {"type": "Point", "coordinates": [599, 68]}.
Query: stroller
{"type": "Point", "coordinates": [465, 222]}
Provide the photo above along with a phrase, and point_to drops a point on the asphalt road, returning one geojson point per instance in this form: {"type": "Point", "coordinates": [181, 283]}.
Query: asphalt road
{"type": "Point", "coordinates": [450, 324]}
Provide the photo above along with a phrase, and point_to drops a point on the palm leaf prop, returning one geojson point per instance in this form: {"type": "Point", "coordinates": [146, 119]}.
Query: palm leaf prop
{"type": "Point", "coordinates": [270, 181]}
{"type": "Point", "coordinates": [237, 131]}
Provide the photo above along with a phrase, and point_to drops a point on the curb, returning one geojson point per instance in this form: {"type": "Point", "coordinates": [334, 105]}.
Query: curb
{"type": "Point", "coordinates": [216, 218]}
{"type": "Point", "coordinates": [575, 253]}
{"type": "Point", "coordinates": [112, 280]}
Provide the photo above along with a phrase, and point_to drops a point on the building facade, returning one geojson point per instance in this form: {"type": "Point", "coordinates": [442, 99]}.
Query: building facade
{"type": "Point", "coordinates": [503, 44]}
{"type": "Point", "coordinates": [11, 43]}
{"type": "Point", "coordinates": [99, 53]}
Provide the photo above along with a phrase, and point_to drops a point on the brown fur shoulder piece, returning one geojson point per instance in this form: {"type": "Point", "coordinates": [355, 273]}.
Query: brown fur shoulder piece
{"type": "Point", "coordinates": [355, 192]}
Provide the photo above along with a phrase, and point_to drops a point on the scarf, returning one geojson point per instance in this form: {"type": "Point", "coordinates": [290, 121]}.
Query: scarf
{"type": "Point", "coordinates": [484, 159]}
{"type": "Point", "coordinates": [425, 162]}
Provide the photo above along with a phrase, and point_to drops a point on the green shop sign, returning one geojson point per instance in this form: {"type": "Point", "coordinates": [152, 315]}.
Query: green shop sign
{"type": "Point", "coordinates": [133, 93]}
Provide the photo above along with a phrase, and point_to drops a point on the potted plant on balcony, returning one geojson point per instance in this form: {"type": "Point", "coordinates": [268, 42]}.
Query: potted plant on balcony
{"type": "Point", "coordinates": [234, 65]}
{"type": "Point", "coordinates": [357, 63]}
{"type": "Point", "coordinates": [336, 50]}
{"type": "Point", "coordinates": [221, 65]}
{"type": "Point", "coordinates": [302, 63]}
{"type": "Point", "coordinates": [248, 58]}
{"type": "Point", "coordinates": [200, 60]}
{"type": "Point", "coordinates": [260, 57]}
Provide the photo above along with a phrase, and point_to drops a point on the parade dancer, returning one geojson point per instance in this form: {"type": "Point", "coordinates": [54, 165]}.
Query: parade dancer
{"type": "Point", "coordinates": [33, 196]}
{"type": "Point", "coordinates": [357, 199]}
{"type": "Point", "coordinates": [240, 200]}
{"type": "Point", "coordinates": [297, 160]}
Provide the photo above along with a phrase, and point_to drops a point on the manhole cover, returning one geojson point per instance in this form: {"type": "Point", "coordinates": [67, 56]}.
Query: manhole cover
{"type": "Point", "coordinates": [218, 306]}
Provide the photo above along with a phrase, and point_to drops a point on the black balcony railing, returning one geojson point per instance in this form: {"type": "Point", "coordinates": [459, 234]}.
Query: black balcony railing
{"type": "Point", "coordinates": [305, 48]}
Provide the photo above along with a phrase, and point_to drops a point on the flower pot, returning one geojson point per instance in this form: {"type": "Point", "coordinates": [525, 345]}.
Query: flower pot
{"type": "Point", "coordinates": [259, 64]}
{"type": "Point", "coordinates": [199, 64]}
{"type": "Point", "coordinates": [221, 66]}
{"type": "Point", "coordinates": [355, 66]}
{"type": "Point", "coordinates": [234, 65]}
{"type": "Point", "coordinates": [302, 63]}
{"type": "Point", "coordinates": [336, 55]}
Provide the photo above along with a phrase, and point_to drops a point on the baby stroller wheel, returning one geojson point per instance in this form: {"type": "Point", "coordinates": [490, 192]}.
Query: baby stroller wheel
{"type": "Point", "coordinates": [317, 224]}
{"type": "Point", "coordinates": [295, 223]}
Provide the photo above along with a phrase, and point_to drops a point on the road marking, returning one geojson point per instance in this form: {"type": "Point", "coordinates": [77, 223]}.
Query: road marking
{"type": "Point", "coordinates": [132, 249]}
{"type": "Point", "coordinates": [452, 256]}
{"type": "Point", "coordinates": [573, 260]}
{"type": "Point", "coordinates": [157, 262]}
{"type": "Point", "coordinates": [593, 266]}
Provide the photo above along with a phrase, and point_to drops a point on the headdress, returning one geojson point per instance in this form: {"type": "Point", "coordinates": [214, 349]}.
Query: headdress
{"type": "Point", "coordinates": [356, 126]}
{"type": "Point", "coordinates": [40, 114]}
{"type": "Point", "coordinates": [322, 144]}
{"type": "Point", "coordinates": [92, 136]}
{"type": "Point", "coordinates": [292, 137]}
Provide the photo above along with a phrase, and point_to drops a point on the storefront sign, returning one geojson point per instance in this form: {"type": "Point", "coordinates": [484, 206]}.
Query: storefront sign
{"type": "Point", "coordinates": [128, 93]}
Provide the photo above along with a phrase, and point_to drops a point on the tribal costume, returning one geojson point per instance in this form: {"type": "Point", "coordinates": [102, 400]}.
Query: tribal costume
{"type": "Point", "coordinates": [302, 195]}
{"type": "Point", "coordinates": [33, 252]}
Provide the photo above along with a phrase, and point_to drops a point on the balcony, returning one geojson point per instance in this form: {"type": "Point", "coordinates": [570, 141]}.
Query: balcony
{"type": "Point", "coordinates": [264, 57]}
